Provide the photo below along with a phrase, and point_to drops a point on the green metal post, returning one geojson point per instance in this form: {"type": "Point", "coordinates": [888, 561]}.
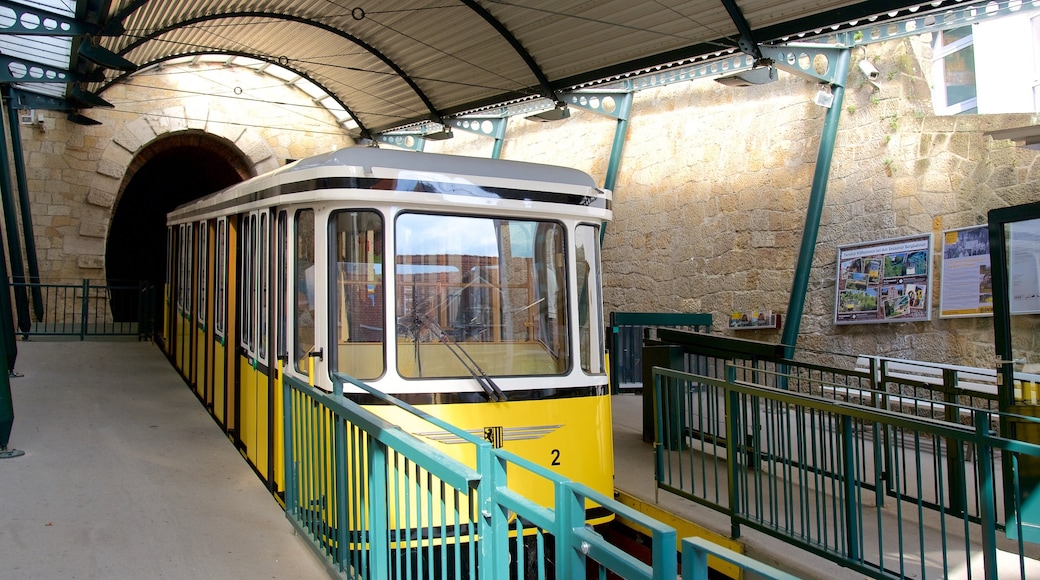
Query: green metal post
{"type": "Point", "coordinates": [6, 404]}
{"type": "Point", "coordinates": [987, 495]}
{"type": "Point", "coordinates": [11, 225]}
{"type": "Point", "coordinates": [732, 406]}
{"type": "Point", "coordinates": [84, 309]}
{"type": "Point", "coordinates": [849, 481]}
{"type": "Point", "coordinates": [496, 151]}
{"type": "Point", "coordinates": [800, 286]}
{"type": "Point", "coordinates": [26, 211]}
{"type": "Point", "coordinates": [6, 342]}
{"type": "Point", "coordinates": [614, 165]}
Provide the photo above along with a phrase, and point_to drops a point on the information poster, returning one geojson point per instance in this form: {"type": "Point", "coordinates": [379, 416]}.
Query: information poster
{"type": "Point", "coordinates": [884, 281]}
{"type": "Point", "coordinates": [966, 283]}
{"type": "Point", "coordinates": [1024, 268]}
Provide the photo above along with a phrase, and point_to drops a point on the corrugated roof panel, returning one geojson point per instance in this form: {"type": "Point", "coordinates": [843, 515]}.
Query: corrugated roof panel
{"type": "Point", "coordinates": [454, 57]}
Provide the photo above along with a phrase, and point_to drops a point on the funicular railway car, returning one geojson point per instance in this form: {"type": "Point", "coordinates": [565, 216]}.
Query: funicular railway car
{"type": "Point", "coordinates": [467, 287]}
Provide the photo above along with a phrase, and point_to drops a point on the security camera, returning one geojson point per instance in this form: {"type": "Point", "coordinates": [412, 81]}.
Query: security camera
{"type": "Point", "coordinates": [868, 70]}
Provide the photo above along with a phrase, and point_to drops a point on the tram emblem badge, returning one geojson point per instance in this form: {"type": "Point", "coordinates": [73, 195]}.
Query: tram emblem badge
{"type": "Point", "coordinates": [495, 436]}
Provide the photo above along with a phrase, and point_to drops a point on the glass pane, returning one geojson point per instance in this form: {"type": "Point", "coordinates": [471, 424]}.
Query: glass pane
{"type": "Point", "coordinates": [264, 252]}
{"type": "Point", "coordinates": [1023, 298]}
{"type": "Point", "coordinates": [954, 34]}
{"type": "Point", "coordinates": [480, 294]}
{"type": "Point", "coordinates": [221, 276]}
{"type": "Point", "coordinates": [590, 315]}
{"type": "Point", "coordinates": [959, 73]}
{"type": "Point", "coordinates": [303, 328]}
{"type": "Point", "coordinates": [203, 269]}
{"type": "Point", "coordinates": [356, 311]}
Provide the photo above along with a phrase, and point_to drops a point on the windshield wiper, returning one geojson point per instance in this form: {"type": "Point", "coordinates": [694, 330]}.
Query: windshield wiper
{"type": "Point", "coordinates": [493, 392]}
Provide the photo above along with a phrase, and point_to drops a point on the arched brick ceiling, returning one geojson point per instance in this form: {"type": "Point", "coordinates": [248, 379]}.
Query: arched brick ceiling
{"type": "Point", "coordinates": [391, 63]}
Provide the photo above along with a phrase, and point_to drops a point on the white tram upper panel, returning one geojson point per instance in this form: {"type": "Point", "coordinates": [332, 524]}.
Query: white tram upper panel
{"type": "Point", "coordinates": [415, 179]}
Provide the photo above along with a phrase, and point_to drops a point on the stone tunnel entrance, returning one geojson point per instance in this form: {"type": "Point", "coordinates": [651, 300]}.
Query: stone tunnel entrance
{"type": "Point", "coordinates": [164, 174]}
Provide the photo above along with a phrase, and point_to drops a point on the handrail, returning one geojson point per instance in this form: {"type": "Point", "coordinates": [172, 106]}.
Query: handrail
{"type": "Point", "coordinates": [86, 309]}
{"type": "Point", "coordinates": [816, 472]}
{"type": "Point", "coordinates": [500, 513]}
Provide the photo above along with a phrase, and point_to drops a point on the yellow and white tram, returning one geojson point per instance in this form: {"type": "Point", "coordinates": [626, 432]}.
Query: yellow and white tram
{"type": "Point", "coordinates": [467, 287]}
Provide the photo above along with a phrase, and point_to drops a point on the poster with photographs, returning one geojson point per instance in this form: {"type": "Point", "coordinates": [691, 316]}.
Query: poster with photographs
{"type": "Point", "coordinates": [884, 281]}
{"type": "Point", "coordinates": [966, 284]}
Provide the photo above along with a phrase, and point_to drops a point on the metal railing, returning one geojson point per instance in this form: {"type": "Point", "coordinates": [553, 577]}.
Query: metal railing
{"type": "Point", "coordinates": [625, 340]}
{"type": "Point", "coordinates": [87, 309]}
{"type": "Point", "coordinates": [376, 502]}
{"type": "Point", "coordinates": [883, 492]}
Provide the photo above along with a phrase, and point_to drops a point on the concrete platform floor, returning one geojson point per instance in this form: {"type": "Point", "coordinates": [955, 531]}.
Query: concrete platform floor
{"type": "Point", "coordinates": [125, 475]}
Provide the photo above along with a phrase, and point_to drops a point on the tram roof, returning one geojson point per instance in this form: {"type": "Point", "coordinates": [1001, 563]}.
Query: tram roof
{"type": "Point", "coordinates": [364, 167]}
{"type": "Point", "coordinates": [397, 63]}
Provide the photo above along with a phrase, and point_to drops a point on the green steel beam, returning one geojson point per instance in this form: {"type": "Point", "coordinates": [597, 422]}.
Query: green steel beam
{"type": "Point", "coordinates": [20, 99]}
{"type": "Point", "coordinates": [953, 17]}
{"type": "Point", "coordinates": [13, 245]}
{"type": "Point", "coordinates": [25, 20]}
{"type": "Point", "coordinates": [411, 141]}
{"type": "Point", "coordinates": [825, 155]}
{"type": "Point", "coordinates": [18, 70]}
{"type": "Point", "coordinates": [613, 104]}
{"type": "Point", "coordinates": [731, 60]}
{"type": "Point", "coordinates": [494, 127]}
{"type": "Point", "coordinates": [29, 238]}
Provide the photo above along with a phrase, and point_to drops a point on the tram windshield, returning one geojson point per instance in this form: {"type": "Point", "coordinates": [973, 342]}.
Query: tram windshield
{"type": "Point", "coordinates": [480, 292]}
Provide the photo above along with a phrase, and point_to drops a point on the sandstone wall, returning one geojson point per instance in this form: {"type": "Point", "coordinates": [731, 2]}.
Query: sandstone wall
{"type": "Point", "coordinates": [710, 201]}
{"type": "Point", "coordinates": [76, 174]}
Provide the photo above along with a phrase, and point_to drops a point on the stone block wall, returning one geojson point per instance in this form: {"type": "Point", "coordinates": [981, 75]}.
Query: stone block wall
{"type": "Point", "coordinates": [709, 206]}
{"type": "Point", "coordinates": [76, 174]}
{"type": "Point", "coordinates": [710, 203]}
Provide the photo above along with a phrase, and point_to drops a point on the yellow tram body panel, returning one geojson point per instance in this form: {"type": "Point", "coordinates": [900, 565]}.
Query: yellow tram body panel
{"type": "Point", "coordinates": [200, 361]}
{"type": "Point", "coordinates": [247, 407]}
{"type": "Point", "coordinates": [568, 436]}
{"type": "Point", "coordinates": [219, 386]}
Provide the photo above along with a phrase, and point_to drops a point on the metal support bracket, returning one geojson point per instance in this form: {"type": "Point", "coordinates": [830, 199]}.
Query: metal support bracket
{"type": "Point", "coordinates": [494, 127]}
{"type": "Point", "coordinates": [17, 70]}
{"type": "Point", "coordinates": [20, 19]}
{"type": "Point", "coordinates": [613, 104]}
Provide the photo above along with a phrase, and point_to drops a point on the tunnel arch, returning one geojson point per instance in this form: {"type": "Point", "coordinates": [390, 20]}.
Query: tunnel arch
{"type": "Point", "coordinates": [172, 169]}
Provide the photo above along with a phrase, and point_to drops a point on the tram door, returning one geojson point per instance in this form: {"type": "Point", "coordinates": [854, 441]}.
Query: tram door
{"type": "Point", "coordinates": [254, 369]}
{"type": "Point", "coordinates": [201, 340]}
{"type": "Point", "coordinates": [219, 358]}
{"type": "Point", "coordinates": [1014, 239]}
{"type": "Point", "coordinates": [281, 356]}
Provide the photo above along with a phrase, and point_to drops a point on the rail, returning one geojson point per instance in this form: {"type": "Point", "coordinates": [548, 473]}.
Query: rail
{"type": "Point", "coordinates": [376, 502]}
{"type": "Point", "coordinates": [86, 309]}
{"type": "Point", "coordinates": [880, 491]}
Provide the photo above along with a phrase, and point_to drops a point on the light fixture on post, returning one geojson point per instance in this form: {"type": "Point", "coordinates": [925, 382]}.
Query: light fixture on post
{"type": "Point", "coordinates": [440, 135]}
{"type": "Point", "coordinates": [745, 78]}
{"type": "Point", "coordinates": [824, 97]}
{"type": "Point", "coordinates": [557, 113]}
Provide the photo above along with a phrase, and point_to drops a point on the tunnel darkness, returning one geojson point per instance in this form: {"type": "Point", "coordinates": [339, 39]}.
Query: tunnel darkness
{"type": "Point", "coordinates": [136, 250]}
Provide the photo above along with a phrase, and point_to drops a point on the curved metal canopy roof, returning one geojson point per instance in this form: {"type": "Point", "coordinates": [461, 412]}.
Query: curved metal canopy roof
{"type": "Point", "coordinates": [395, 63]}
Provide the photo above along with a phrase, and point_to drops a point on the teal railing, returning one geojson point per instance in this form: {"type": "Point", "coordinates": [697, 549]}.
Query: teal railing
{"type": "Point", "coordinates": [376, 502]}
{"type": "Point", "coordinates": [882, 492]}
{"type": "Point", "coordinates": [87, 309]}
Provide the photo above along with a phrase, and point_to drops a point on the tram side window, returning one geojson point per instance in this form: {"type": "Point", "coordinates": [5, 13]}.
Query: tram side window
{"type": "Point", "coordinates": [203, 261]}
{"type": "Point", "coordinates": [186, 276]}
{"type": "Point", "coordinates": [262, 289]}
{"type": "Point", "coordinates": [356, 304]}
{"type": "Point", "coordinates": [248, 284]}
{"type": "Point", "coordinates": [590, 315]}
{"type": "Point", "coordinates": [221, 278]}
{"type": "Point", "coordinates": [303, 281]}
